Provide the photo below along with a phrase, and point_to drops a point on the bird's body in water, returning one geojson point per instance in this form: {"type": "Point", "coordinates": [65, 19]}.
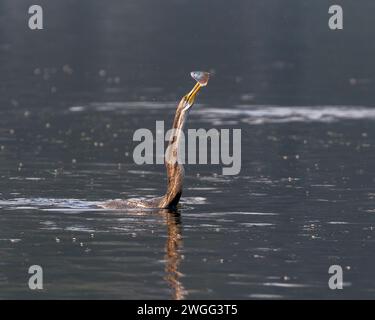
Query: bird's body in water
{"type": "Point", "coordinates": [175, 170]}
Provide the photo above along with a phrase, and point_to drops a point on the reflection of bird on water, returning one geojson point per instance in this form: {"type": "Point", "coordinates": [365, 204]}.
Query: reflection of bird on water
{"type": "Point", "coordinates": [173, 255]}
{"type": "Point", "coordinates": [175, 170]}
{"type": "Point", "coordinates": [173, 247]}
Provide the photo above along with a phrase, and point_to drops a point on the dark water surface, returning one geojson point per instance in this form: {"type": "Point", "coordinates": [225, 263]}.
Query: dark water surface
{"type": "Point", "coordinates": [73, 94]}
{"type": "Point", "coordinates": [304, 200]}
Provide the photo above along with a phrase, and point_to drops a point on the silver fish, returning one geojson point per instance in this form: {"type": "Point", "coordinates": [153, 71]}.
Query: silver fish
{"type": "Point", "coordinates": [201, 77]}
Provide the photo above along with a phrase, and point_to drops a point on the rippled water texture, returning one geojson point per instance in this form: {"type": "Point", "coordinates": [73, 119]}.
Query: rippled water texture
{"type": "Point", "coordinates": [72, 95]}
{"type": "Point", "coordinates": [304, 200]}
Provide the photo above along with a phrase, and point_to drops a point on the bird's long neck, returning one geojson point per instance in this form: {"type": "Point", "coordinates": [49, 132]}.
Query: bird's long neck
{"type": "Point", "coordinates": [175, 170]}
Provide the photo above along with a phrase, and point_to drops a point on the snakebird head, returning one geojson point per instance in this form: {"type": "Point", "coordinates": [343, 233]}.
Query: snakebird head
{"type": "Point", "coordinates": [202, 78]}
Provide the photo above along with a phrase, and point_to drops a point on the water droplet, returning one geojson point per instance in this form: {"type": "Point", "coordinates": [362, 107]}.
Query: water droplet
{"type": "Point", "coordinates": [67, 69]}
{"type": "Point", "coordinates": [14, 103]}
{"type": "Point", "coordinates": [37, 71]}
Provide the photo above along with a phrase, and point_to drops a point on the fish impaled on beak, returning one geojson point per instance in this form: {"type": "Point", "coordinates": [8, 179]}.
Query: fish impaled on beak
{"type": "Point", "coordinates": [202, 78]}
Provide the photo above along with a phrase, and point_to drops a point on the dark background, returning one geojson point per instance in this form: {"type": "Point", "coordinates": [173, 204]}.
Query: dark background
{"type": "Point", "coordinates": [73, 94]}
{"type": "Point", "coordinates": [262, 52]}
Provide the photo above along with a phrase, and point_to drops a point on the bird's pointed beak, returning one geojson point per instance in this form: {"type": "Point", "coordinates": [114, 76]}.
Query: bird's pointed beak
{"type": "Point", "coordinates": [192, 94]}
{"type": "Point", "coordinates": [202, 79]}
